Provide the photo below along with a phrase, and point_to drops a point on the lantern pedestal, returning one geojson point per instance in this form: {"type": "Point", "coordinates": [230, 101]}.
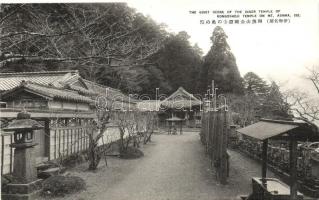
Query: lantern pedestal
{"type": "Point", "coordinates": [22, 191]}
{"type": "Point", "coordinates": [24, 163]}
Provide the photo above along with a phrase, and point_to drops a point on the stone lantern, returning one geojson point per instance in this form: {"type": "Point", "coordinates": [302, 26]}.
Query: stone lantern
{"type": "Point", "coordinates": [24, 166]}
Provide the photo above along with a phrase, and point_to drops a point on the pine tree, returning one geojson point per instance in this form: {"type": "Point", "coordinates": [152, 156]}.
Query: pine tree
{"type": "Point", "coordinates": [254, 84]}
{"type": "Point", "coordinates": [220, 65]}
{"type": "Point", "coordinates": [274, 105]}
{"type": "Point", "coordinates": [179, 61]}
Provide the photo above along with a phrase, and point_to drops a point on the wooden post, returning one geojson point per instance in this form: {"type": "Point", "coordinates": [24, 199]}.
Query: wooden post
{"type": "Point", "coordinates": [55, 145]}
{"type": "Point", "coordinates": [83, 136]}
{"type": "Point", "coordinates": [11, 153]}
{"type": "Point", "coordinates": [224, 135]}
{"type": "Point", "coordinates": [73, 143]}
{"type": "Point", "coordinates": [293, 168]}
{"type": "Point", "coordinates": [264, 161]}
{"type": "Point", "coordinates": [209, 131]}
{"type": "Point", "coordinates": [83, 139]}
{"type": "Point", "coordinates": [64, 145]}
{"type": "Point", "coordinates": [215, 133]}
{"type": "Point", "coordinates": [78, 140]}
{"type": "Point", "coordinates": [2, 153]}
{"type": "Point", "coordinates": [59, 154]}
{"type": "Point", "coordinates": [70, 132]}
{"type": "Point", "coordinates": [47, 139]}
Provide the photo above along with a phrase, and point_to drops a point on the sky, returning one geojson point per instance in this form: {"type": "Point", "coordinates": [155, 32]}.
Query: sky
{"type": "Point", "coordinates": [279, 52]}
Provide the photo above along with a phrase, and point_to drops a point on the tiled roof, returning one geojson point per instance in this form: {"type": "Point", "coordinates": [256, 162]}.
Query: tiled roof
{"type": "Point", "coordinates": [181, 92]}
{"type": "Point", "coordinates": [149, 105]}
{"type": "Point", "coordinates": [11, 80]}
{"type": "Point", "coordinates": [110, 93]}
{"type": "Point", "coordinates": [83, 91]}
{"type": "Point", "coordinates": [49, 92]}
{"type": "Point", "coordinates": [64, 80]}
{"type": "Point", "coordinates": [181, 99]}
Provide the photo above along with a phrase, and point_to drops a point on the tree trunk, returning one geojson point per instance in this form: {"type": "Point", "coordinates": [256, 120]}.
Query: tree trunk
{"type": "Point", "coordinates": [94, 155]}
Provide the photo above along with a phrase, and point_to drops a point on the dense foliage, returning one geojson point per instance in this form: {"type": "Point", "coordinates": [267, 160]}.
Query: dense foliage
{"type": "Point", "coordinates": [260, 100]}
{"type": "Point", "coordinates": [105, 42]}
{"type": "Point", "coordinates": [180, 62]}
{"type": "Point", "coordinates": [220, 65]}
{"type": "Point", "coordinates": [108, 43]}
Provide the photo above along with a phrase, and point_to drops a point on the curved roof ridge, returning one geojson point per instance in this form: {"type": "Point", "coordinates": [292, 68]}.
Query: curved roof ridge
{"type": "Point", "coordinates": [51, 91]}
{"type": "Point", "coordinates": [181, 89]}
{"type": "Point", "coordinates": [39, 72]}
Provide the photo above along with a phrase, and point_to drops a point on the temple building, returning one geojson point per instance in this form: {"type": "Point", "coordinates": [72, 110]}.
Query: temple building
{"type": "Point", "coordinates": [62, 101]}
{"type": "Point", "coordinates": [183, 105]}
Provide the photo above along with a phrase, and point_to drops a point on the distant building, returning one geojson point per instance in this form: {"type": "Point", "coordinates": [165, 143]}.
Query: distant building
{"type": "Point", "coordinates": [183, 105]}
{"type": "Point", "coordinates": [149, 105]}
{"type": "Point", "coordinates": [179, 104]}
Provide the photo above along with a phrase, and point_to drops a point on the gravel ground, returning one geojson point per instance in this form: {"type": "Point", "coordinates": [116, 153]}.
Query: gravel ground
{"type": "Point", "coordinates": [174, 167]}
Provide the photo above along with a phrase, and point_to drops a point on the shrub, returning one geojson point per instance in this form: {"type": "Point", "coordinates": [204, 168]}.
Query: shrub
{"type": "Point", "coordinates": [62, 185]}
{"type": "Point", "coordinates": [131, 153]}
{"type": "Point", "coordinates": [73, 160]}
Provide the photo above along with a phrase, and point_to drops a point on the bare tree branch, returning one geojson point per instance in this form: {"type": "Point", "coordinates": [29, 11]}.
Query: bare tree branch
{"type": "Point", "coordinates": [11, 13]}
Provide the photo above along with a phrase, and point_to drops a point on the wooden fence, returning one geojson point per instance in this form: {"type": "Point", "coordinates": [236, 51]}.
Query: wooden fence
{"type": "Point", "coordinates": [214, 134]}
{"type": "Point", "coordinates": [65, 141]}
{"type": "Point", "coordinates": [6, 153]}
{"type": "Point", "coordinates": [62, 141]}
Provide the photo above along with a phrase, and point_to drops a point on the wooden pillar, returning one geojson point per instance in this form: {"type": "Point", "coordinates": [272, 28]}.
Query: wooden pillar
{"type": "Point", "coordinates": [59, 154]}
{"type": "Point", "coordinates": [78, 140]}
{"type": "Point", "coordinates": [264, 161]}
{"type": "Point", "coordinates": [11, 154]}
{"type": "Point", "coordinates": [293, 168]}
{"type": "Point", "coordinates": [47, 138]}
{"type": "Point", "coordinates": [208, 115]}
{"type": "Point", "coordinates": [55, 150]}
{"type": "Point", "coordinates": [223, 150]}
{"type": "Point", "coordinates": [2, 153]}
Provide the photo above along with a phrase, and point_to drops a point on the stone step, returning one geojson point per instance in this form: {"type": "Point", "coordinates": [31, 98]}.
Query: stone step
{"type": "Point", "coordinates": [43, 166]}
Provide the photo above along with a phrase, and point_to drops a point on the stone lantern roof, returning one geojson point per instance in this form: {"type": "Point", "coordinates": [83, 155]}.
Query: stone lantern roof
{"type": "Point", "coordinates": [23, 122]}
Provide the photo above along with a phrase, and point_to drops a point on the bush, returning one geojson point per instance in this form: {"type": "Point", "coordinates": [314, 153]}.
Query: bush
{"type": "Point", "coordinates": [73, 160]}
{"type": "Point", "coordinates": [131, 153]}
{"type": "Point", "coordinates": [62, 185]}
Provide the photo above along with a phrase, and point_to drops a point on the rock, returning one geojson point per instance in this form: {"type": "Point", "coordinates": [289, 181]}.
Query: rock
{"type": "Point", "coordinates": [50, 172]}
